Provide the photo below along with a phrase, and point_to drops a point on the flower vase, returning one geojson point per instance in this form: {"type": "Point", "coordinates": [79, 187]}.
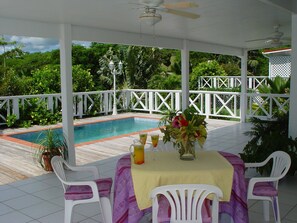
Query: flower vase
{"type": "Point", "coordinates": [187, 151]}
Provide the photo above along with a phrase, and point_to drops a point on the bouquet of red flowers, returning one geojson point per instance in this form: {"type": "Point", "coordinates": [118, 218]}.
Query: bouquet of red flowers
{"type": "Point", "coordinates": [184, 129]}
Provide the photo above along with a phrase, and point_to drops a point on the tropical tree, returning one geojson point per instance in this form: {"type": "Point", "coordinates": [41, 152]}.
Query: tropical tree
{"type": "Point", "coordinates": [47, 80]}
{"type": "Point", "coordinates": [82, 79]}
{"type": "Point", "coordinates": [12, 84]}
{"type": "Point", "coordinates": [26, 63]}
{"type": "Point", "coordinates": [165, 81]}
{"type": "Point", "coordinates": [209, 68]}
{"type": "Point", "coordinates": [278, 85]}
{"type": "Point", "coordinates": [115, 54]}
{"type": "Point", "coordinates": [5, 43]}
{"type": "Point", "coordinates": [257, 63]}
{"type": "Point", "coordinates": [141, 64]}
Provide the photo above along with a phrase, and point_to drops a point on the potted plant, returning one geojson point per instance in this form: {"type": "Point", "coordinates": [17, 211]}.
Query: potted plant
{"type": "Point", "coordinates": [50, 144]}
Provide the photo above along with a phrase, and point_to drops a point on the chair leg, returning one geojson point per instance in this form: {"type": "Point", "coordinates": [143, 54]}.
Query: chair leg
{"type": "Point", "coordinates": [68, 211]}
{"type": "Point", "coordinates": [276, 211]}
{"type": "Point", "coordinates": [266, 210]}
{"type": "Point", "coordinates": [106, 209]}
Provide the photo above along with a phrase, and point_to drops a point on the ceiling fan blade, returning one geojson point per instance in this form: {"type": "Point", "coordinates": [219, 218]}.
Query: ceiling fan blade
{"type": "Point", "coordinates": [180, 5]}
{"type": "Point", "coordinates": [182, 13]}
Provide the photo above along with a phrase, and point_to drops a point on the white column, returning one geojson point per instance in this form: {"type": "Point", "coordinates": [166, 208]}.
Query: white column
{"type": "Point", "coordinates": [293, 89]}
{"type": "Point", "coordinates": [243, 97]}
{"type": "Point", "coordinates": [185, 75]}
{"type": "Point", "coordinates": [66, 89]}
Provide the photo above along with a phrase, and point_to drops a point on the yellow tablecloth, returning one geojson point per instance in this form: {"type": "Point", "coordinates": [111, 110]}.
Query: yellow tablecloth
{"type": "Point", "coordinates": [208, 168]}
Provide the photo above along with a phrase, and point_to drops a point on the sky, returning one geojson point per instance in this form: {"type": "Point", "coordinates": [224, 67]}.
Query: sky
{"type": "Point", "coordinates": [36, 44]}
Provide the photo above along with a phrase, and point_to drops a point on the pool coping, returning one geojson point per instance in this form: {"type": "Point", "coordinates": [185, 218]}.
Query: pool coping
{"type": "Point", "coordinates": [7, 136]}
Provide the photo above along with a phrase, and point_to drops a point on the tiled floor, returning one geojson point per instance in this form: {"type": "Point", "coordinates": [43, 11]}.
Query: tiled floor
{"type": "Point", "coordinates": [40, 199]}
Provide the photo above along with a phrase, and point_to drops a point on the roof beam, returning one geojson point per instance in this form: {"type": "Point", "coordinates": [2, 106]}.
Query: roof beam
{"type": "Point", "coordinates": [83, 33]}
{"type": "Point", "coordinates": [288, 5]}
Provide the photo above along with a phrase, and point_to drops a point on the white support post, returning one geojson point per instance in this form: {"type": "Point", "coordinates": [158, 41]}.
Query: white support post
{"type": "Point", "coordinates": [293, 89]}
{"type": "Point", "coordinates": [185, 75]}
{"type": "Point", "coordinates": [243, 98]}
{"type": "Point", "coordinates": [66, 89]}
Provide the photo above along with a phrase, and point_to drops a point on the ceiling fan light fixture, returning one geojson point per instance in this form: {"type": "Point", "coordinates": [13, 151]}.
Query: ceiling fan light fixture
{"type": "Point", "coordinates": [150, 18]}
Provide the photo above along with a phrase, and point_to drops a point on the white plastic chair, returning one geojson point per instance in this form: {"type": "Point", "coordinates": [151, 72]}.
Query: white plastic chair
{"type": "Point", "coordinates": [266, 188]}
{"type": "Point", "coordinates": [184, 209]}
{"type": "Point", "coordinates": [81, 192]}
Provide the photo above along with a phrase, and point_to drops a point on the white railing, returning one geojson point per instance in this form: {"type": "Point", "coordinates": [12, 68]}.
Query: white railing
{"type": "Point", "coordinates": [230, 82]}
{"type": "Point", "coordinates": [209, 103]}
{"type": "Point", "coordinates": [263, 106]}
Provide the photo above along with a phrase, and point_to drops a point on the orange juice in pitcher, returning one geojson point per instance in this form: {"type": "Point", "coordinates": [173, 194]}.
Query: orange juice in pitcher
{"type": "Point", "coordinates": [138, 152]}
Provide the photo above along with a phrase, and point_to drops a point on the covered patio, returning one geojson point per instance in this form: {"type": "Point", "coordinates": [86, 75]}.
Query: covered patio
{"type": "Point", "coordinates": [40, 198]}
{"type": "Point", "coordinates": [221, 27]}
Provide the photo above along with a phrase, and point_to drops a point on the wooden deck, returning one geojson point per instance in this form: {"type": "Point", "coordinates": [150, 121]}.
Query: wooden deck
{"type": "Point", "coordinates": [17, 162]}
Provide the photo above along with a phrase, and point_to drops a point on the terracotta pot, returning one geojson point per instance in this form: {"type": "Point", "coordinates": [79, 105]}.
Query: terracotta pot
{"type": "Point", "coordinates": [47, 161]}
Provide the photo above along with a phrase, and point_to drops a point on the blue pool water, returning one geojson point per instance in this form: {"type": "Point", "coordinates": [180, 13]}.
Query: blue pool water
{"type": "Point", "coordinates": [99, 130]}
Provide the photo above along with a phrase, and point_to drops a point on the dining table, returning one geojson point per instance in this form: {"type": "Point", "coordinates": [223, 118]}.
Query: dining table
{"type": "Point", "coordinates": [133, 183]}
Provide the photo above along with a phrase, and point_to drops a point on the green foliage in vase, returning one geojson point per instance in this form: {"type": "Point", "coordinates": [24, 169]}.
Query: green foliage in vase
{"type": "Point", "coordinates": [183, 129]}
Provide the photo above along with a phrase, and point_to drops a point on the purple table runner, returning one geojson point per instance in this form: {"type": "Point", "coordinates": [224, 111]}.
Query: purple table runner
{"type": "Point", "coordinates": [125, 208]}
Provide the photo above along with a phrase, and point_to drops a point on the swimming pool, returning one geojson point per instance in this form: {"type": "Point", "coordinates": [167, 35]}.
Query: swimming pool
{"type": "Point", "coordinates": [99, 130]}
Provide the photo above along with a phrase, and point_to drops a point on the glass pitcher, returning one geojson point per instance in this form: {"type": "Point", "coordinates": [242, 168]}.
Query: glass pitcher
{"type": "Point", "coordinates": [137, 152]}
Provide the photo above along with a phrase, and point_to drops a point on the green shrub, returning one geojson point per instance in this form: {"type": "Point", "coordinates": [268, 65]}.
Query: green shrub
{"type": "Point", "coordinates": [268, 137]}
{"type": "Point", "coordinates": [11, 120]}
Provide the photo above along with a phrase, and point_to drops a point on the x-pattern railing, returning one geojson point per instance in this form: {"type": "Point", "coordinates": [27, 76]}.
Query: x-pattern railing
{"type": "Point", "coordinates": [226, 105]}
{"type": "Point", "coordinates": [196, 100]}
{"type": "Point", "coordinates": [209, 103]}
{"type": "Point", "coordinates": [139, 100]}
{"type": "Point", "coordinates": [231, 81]}
{"type": "Point", "coordinates": [161, 102]}
{"type": "Point", "coordinates": [264, 106]}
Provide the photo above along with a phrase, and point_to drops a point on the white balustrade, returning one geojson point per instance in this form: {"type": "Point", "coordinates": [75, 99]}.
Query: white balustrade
{"type": "Point", "coordinates": [253, 82]}
{"type": "Point", "coordinates": [208, 103]}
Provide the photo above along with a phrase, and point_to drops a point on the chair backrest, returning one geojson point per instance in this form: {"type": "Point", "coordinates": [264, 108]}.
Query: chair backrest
{"type": "Point", "coordinates": [281, 164]}
{"type": "Point", "coordinates": [58, 167]}
{"type": "Point", "coordinates": [186, 201]}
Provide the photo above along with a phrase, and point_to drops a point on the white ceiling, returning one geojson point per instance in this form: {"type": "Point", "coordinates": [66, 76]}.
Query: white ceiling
{"type": "Point", "coordinates": [223, 22]}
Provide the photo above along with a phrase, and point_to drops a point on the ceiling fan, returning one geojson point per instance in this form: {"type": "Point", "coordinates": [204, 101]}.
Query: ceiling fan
{"type": "Point", "coordinates": [151, 16]}
{"type": "Point", "coordinates": [276, 39]}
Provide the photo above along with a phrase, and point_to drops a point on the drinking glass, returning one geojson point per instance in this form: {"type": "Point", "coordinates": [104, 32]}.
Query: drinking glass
{"type": "Point", "coordinates": [155, 140]}
{"type": "Point", "coordinates": [143, 137]}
